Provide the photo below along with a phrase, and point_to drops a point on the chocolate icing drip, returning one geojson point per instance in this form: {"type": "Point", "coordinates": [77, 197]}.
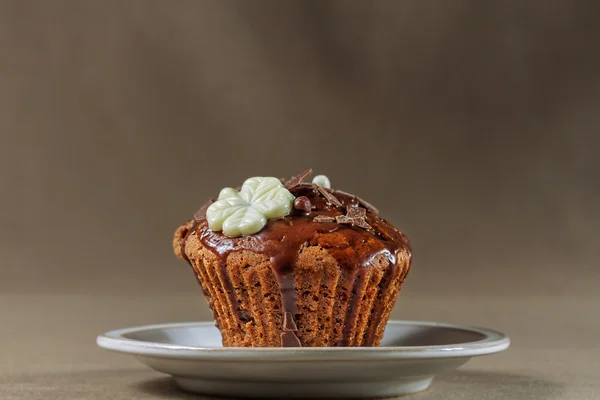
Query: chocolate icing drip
{"type": "Point", "coordinates": [283, 239]}
{"type": "Point", "coordinates": [229, 290]}
{"type": "Point", "coordinates": [290, 339]}
{"type": "Point", "coordinates": [359, 278]}
{"type": "Point", "coordinates": [285, 278]}
{"type": "Point", "coordinates": [288, 332]}
{"type": "Point", "coordinates": [283, 267]}
{"type": "Point", "coordinates": [385, 283]}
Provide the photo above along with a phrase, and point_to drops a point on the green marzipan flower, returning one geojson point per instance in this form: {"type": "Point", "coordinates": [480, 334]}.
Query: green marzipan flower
{"type": "Point", "coordinates": [246, 212]}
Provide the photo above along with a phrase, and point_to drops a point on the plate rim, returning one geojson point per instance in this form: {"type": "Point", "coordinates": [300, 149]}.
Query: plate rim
{"type": "Point", "coordinates": [115, 340]}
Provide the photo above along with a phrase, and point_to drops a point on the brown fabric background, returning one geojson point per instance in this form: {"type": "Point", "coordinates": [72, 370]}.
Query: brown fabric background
{"type": "Point", "coordinates": [474, 127]}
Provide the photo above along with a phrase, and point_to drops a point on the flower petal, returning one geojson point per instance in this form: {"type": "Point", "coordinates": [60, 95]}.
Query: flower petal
{"type": "Point", "coordinates": [220, 210]}
{"type": "Point", "coordinates": [228, 193]}
{"type": "Point", "coordinates": [276, 203]}
{"type": "Point", "coordinates": [244, 221]}
{"type": "Point", "coordinates": [254, 188]}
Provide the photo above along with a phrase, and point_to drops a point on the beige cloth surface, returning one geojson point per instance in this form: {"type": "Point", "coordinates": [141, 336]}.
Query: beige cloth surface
{"type": "Point", "coordinates": [48, 351]}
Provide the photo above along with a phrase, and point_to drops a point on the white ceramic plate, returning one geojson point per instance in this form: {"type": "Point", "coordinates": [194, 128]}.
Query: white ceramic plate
{"type": "Point", "coordinates": [411, 353]}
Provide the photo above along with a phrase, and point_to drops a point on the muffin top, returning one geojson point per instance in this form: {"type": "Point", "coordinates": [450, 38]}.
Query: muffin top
{"type": "Point", "coordinates": [313, 214]}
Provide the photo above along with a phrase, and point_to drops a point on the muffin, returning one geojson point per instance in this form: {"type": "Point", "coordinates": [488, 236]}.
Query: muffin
{"type": "Point", "coordinates": [291, 264]}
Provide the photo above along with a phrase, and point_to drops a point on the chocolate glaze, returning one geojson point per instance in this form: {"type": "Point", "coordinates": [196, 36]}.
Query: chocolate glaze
{"type": "Point", "coordinates": [288, 331]}
{"type": "Point", "coordinates": [282, 240]}
{"type": "Point", "coordinates": [359, 278]}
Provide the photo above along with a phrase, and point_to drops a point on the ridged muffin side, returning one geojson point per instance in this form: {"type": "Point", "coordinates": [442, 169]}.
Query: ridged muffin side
{"type": "Point", "coordinates": [336, 304]}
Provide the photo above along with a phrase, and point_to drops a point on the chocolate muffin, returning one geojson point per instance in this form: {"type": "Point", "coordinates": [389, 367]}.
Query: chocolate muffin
{"type": "Point", "coordinates": [295, 264]}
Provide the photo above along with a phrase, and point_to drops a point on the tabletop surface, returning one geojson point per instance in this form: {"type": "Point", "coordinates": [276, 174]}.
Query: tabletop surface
{"type": "Point", "coordinates": [48, 349]}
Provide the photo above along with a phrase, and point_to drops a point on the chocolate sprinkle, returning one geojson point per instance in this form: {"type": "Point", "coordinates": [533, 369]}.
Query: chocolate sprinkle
{"type": "Point", "coordinates": [364, 203]}
{"type": "Point", "coordinates": [331, 199]}
{"type": "Point", "coordinates": [355, 216]}
{"type": "Point", "coordinates": [368, 205]}
{"type": "Point", "coordinates": [323, 218]}
{"type": "Point", "coordinates": [298, 179]}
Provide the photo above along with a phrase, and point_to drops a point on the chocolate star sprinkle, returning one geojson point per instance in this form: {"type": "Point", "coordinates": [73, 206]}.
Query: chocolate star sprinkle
{"type": "Point", "coordinates": [323, 218]}
{"type": "Point", "coordinates": [298, 179]}
{"type": "Point", "coordinates": [354, 216]}
{"type": "Point", "coordinates": [200, 215]}
{"type": "Point", "coordinates": [368, 206]}
{"type": "Point", "coordinates": [331, 199]}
